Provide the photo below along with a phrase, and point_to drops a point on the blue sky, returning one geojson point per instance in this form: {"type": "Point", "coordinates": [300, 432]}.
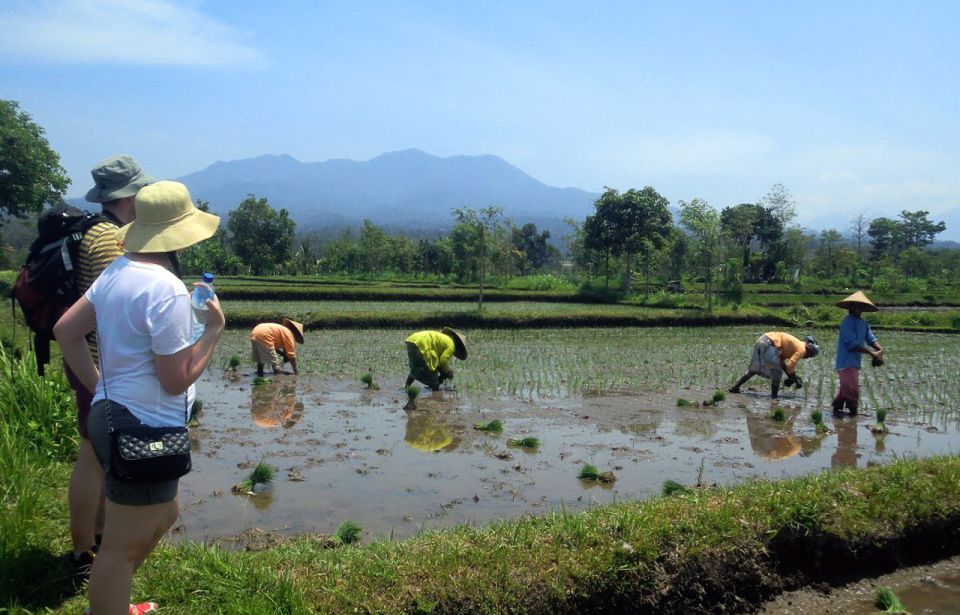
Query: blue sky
{"type": "Point", "coordinates": [853, 106]}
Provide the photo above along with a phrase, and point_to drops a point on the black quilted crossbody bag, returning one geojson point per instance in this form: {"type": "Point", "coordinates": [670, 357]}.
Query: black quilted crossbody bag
{"type": "Point", "coordinates": [147, 454]}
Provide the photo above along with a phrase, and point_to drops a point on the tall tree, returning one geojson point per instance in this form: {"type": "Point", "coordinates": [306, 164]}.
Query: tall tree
{"type": "Point", "coordinates": [260, 235]}
{"type": "Point", "coordinates": [703, 222]}
{"type": "Point", "coordinates": [858, 228]}
{"type": "Point", "coordinates": [530, 247]}
{"type": "Point", "coordinates": [30, 172]}
{"type": "Point", "coordinates": [916, 230]}
{"type": "Point", "coordinates": [637, 221]}
{"type": "Point", "coordinates": [781, 204]}
{"type": "Point", "coordinates": [482, 223]}
{"type": "Point", "coordinates": [884, 236]}
{"type": "Point", "coordinates": [740, 224]}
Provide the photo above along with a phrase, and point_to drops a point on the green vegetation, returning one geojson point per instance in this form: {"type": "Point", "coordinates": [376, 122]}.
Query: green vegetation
{"type": "Point", "coordinates": [685, 403]}
{"type": "Point", "coordinates": [719, 396]}
{"type": "Point", "coordinates": [413, 392]}
{"type": "Point", "coordinates": [880, 427]}
{"type": "Point", "coordinates": [233, 363]}
{"type": "Point", "coordinates": [591, 473]}
{"type": "Point", "coordinates": [260, 381]}
{"type": "Point", "coordinates": [347, 533]}
{"type": "Point", "coordinates": [888, 602]}
{"type": "Point", "coordinates": [817, 417]}
{"type": "Point", "coordinates": [367, 380]}
{"type": "Point", "coordinates": [262, 474]}
{"type": "Point", "coordinates": [494, 426]}
{"type": "Point", "coordinates": [528, 442]}
{"type": "Point", "coordinates": [672, 487]}
{"type": "Point", "coordinates": [778, 415]}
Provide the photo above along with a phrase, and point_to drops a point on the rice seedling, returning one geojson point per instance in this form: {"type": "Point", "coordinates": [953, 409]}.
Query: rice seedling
{"type": "Point", "coordinates": [261, 474]}
{"type": "Point", "coordinates": [347, 533]}
{"type": "Point", "coordinates": [888, 602]}
{"type": "Point", "coordinates": [672, 487]}
{"type": "Point", "coordinates": [234, 362]}
{"type": "Point", "coordinates": [413, 391]}
{"type": "Point", "coordinates": [494, 426]}
{"type": "Point", "coordinates": [778, 415]}
{"type": "Point", "coordinates": [817, 417]}
{"type": "Point", "coordinates": [719, 396]}
{"type": "Point", "coordinates": [367, 380]}
{"type": "Point", "coordinates": [880, 426]}
{"type": "Point", "coordinates": [591, 473]}
{"type": "Point", "coordinates": [685, 403]}
{"type": "Point", "coordinates": [260, 381]}
{"type": "Point", "coordinates": [527, 442]}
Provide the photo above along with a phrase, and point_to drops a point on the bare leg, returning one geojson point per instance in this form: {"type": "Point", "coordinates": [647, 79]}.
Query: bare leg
{"type": "Point", "coordinates": [85, 497]}
{"type": "Point", "coordinates": [747, 376]}
{"type": "Point", "coordinates": [132, 533]}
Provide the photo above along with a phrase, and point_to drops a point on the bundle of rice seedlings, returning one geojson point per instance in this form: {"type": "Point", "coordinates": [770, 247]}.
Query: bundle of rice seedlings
{"type": "Point", "coordinates": [413, 391]}
{"type": "Point", "coordinates": [719, 396]}
{"type": "Point", "coordinates": [367, 380]}
{"type": "Point", "coordinates": [348, 533]}
{"type": "Point", "coordinates": [778, 415]}
{"type": "Point", "coordinates": [880, 426]}
{"type": "Point", "coordinates": [494, 426]}
{"type": "Point", "coordinates": [672, 487]}
{"type": "Point", "coordinates": [261, 474]}
{"type": "Point", "coordinates": [524, 442]}
{"type": "Point", "coordinates": [684, 403]}
{"type": "Point", "coordinates": [233, 363]}
{"type": "Point", "coordinates": [589, 472]}
{"type": "Point", "coordinates": [887, 602]}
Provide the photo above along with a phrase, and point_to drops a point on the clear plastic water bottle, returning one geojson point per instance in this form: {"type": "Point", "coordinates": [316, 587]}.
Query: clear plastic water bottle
{"type": "Point", "coordinates": [201, 292]}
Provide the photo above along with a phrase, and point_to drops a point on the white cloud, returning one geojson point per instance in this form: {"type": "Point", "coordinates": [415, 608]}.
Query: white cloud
{"type": "Point", "coordinates": [139, 32]}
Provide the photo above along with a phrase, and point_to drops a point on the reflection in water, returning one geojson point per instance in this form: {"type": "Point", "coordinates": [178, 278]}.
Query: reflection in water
{"type": "Point", "coordinates": [846, 453]}
{"type": "Point", "coordinates": [275, 403]}
{"type": "Point", "coordinates": [428, 431]}
{"type": "Point", "coordinates": [774, 440]}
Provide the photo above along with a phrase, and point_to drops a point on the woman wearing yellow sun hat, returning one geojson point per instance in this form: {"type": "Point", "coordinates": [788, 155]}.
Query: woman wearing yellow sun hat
{"type": "Point", "coordinates": [148, 363]}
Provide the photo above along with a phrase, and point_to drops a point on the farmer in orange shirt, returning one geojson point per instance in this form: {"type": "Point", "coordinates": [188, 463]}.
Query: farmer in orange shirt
{"type": "Point", "coordinates": [271, 343]}
{"type": "Point", "coordinates": [777, 352]}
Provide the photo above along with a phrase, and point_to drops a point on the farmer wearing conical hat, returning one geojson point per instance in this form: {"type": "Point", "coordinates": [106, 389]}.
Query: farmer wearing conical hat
{"type": "Point", "coordinates": [777, 352]}
{"type": "Point", "coordinates": [272, 343]}
{"type": "Point", "coordinates": [429, 353]}
{"type": "Point", "coordinates": [855, 339]}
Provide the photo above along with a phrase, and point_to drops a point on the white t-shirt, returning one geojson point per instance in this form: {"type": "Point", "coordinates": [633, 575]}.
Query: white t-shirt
{"type": "Point", "coordinates": [143, 310]}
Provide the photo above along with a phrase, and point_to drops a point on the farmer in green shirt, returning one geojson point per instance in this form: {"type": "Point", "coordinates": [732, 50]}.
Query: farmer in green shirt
{"type": "Point", "coordinates": [429, 353]}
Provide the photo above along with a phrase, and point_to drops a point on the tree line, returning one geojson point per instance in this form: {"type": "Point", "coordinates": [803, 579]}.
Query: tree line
{"type": "Point", "coordinates": [632, 240]}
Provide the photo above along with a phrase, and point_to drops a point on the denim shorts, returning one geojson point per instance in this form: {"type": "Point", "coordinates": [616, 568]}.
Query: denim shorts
{"type": "Point", "coordinates": [127, 493]}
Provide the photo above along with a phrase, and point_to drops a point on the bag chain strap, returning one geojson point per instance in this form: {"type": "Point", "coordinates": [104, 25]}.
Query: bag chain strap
{"type": "Point", "coordinates": [106, 398]}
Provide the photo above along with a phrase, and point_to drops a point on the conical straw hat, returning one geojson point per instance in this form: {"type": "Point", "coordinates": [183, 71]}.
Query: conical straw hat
{"type": "Point", "coordinates": [858, 300]}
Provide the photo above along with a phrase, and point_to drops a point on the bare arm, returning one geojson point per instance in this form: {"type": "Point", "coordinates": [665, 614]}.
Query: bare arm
{"type": "Point", "coordinates": [179, 370]}
{"type": "Point", "coordinates": [70, 332]}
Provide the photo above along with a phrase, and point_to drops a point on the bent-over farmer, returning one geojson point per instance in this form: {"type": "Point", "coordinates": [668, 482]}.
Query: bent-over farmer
{"type": "Point", "coordinates": [777, 352]}
{"type": "Point", "coordinates": [274, 343]}
{"type": "Point", "coordinates": [855, 339]}
{"type": "Point", "coordinates": [429, 353]}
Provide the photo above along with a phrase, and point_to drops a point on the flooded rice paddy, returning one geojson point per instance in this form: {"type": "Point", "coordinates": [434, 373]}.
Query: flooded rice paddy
{"type": "Point", "coordinates": [605, 397]}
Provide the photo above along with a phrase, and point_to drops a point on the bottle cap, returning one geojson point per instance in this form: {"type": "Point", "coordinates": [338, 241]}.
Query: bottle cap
{"type": "Point", "coordinates": [208, 277]}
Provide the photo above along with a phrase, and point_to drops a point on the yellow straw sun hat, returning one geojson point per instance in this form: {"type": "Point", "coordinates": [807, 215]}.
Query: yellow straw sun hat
{"type": "Point", "coordinates": [459, 343]}
{"type": "Point", "coordinates": [858, 300]}
{"type": "Point", "coordinates": [295, 327]}
{"type": "Point", "coordinates": [166, 220]}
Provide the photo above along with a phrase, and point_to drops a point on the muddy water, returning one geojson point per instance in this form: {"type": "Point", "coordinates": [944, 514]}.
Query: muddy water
{"type": "Point", "coordinates": [346, 453]}
{"type": "Point", "coordinates": [923, 590]}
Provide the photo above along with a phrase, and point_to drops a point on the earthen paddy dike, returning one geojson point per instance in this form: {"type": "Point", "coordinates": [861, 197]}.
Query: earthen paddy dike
{"type": "Point", "coordinates": [343, 452]}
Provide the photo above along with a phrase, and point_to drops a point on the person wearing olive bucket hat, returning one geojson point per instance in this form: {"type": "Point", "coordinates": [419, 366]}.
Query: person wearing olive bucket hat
{"type": "Point", "coordinates": [148, 362]}
{"type": "Point", "coordinates": [429, 354]}
{"type": "Point", "coordinates": [855, 339]}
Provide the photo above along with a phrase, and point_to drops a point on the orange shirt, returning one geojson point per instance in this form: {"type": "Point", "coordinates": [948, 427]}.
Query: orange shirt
{"type": "Point", "coordinates": [272, 335]}
{"type": "Point", "coordinates": [791, 349]}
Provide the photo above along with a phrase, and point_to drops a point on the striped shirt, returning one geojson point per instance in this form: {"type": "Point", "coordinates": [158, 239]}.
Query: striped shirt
{"type": "Point", "coordinates": [98, 249]}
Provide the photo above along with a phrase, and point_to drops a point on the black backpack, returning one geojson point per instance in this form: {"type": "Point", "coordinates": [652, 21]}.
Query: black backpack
{"type": "Point", "coordinates": [47, 285]}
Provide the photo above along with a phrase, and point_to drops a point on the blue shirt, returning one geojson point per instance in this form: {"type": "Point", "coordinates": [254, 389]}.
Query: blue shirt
{"type": "Point", "coordinates": [854, 333]}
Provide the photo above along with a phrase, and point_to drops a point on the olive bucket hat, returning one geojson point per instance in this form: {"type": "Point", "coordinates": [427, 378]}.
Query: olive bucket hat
{"type": "Point", "coordinates": [117, 177]}
{"type": "Point", "coordinates": [166, 220]}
